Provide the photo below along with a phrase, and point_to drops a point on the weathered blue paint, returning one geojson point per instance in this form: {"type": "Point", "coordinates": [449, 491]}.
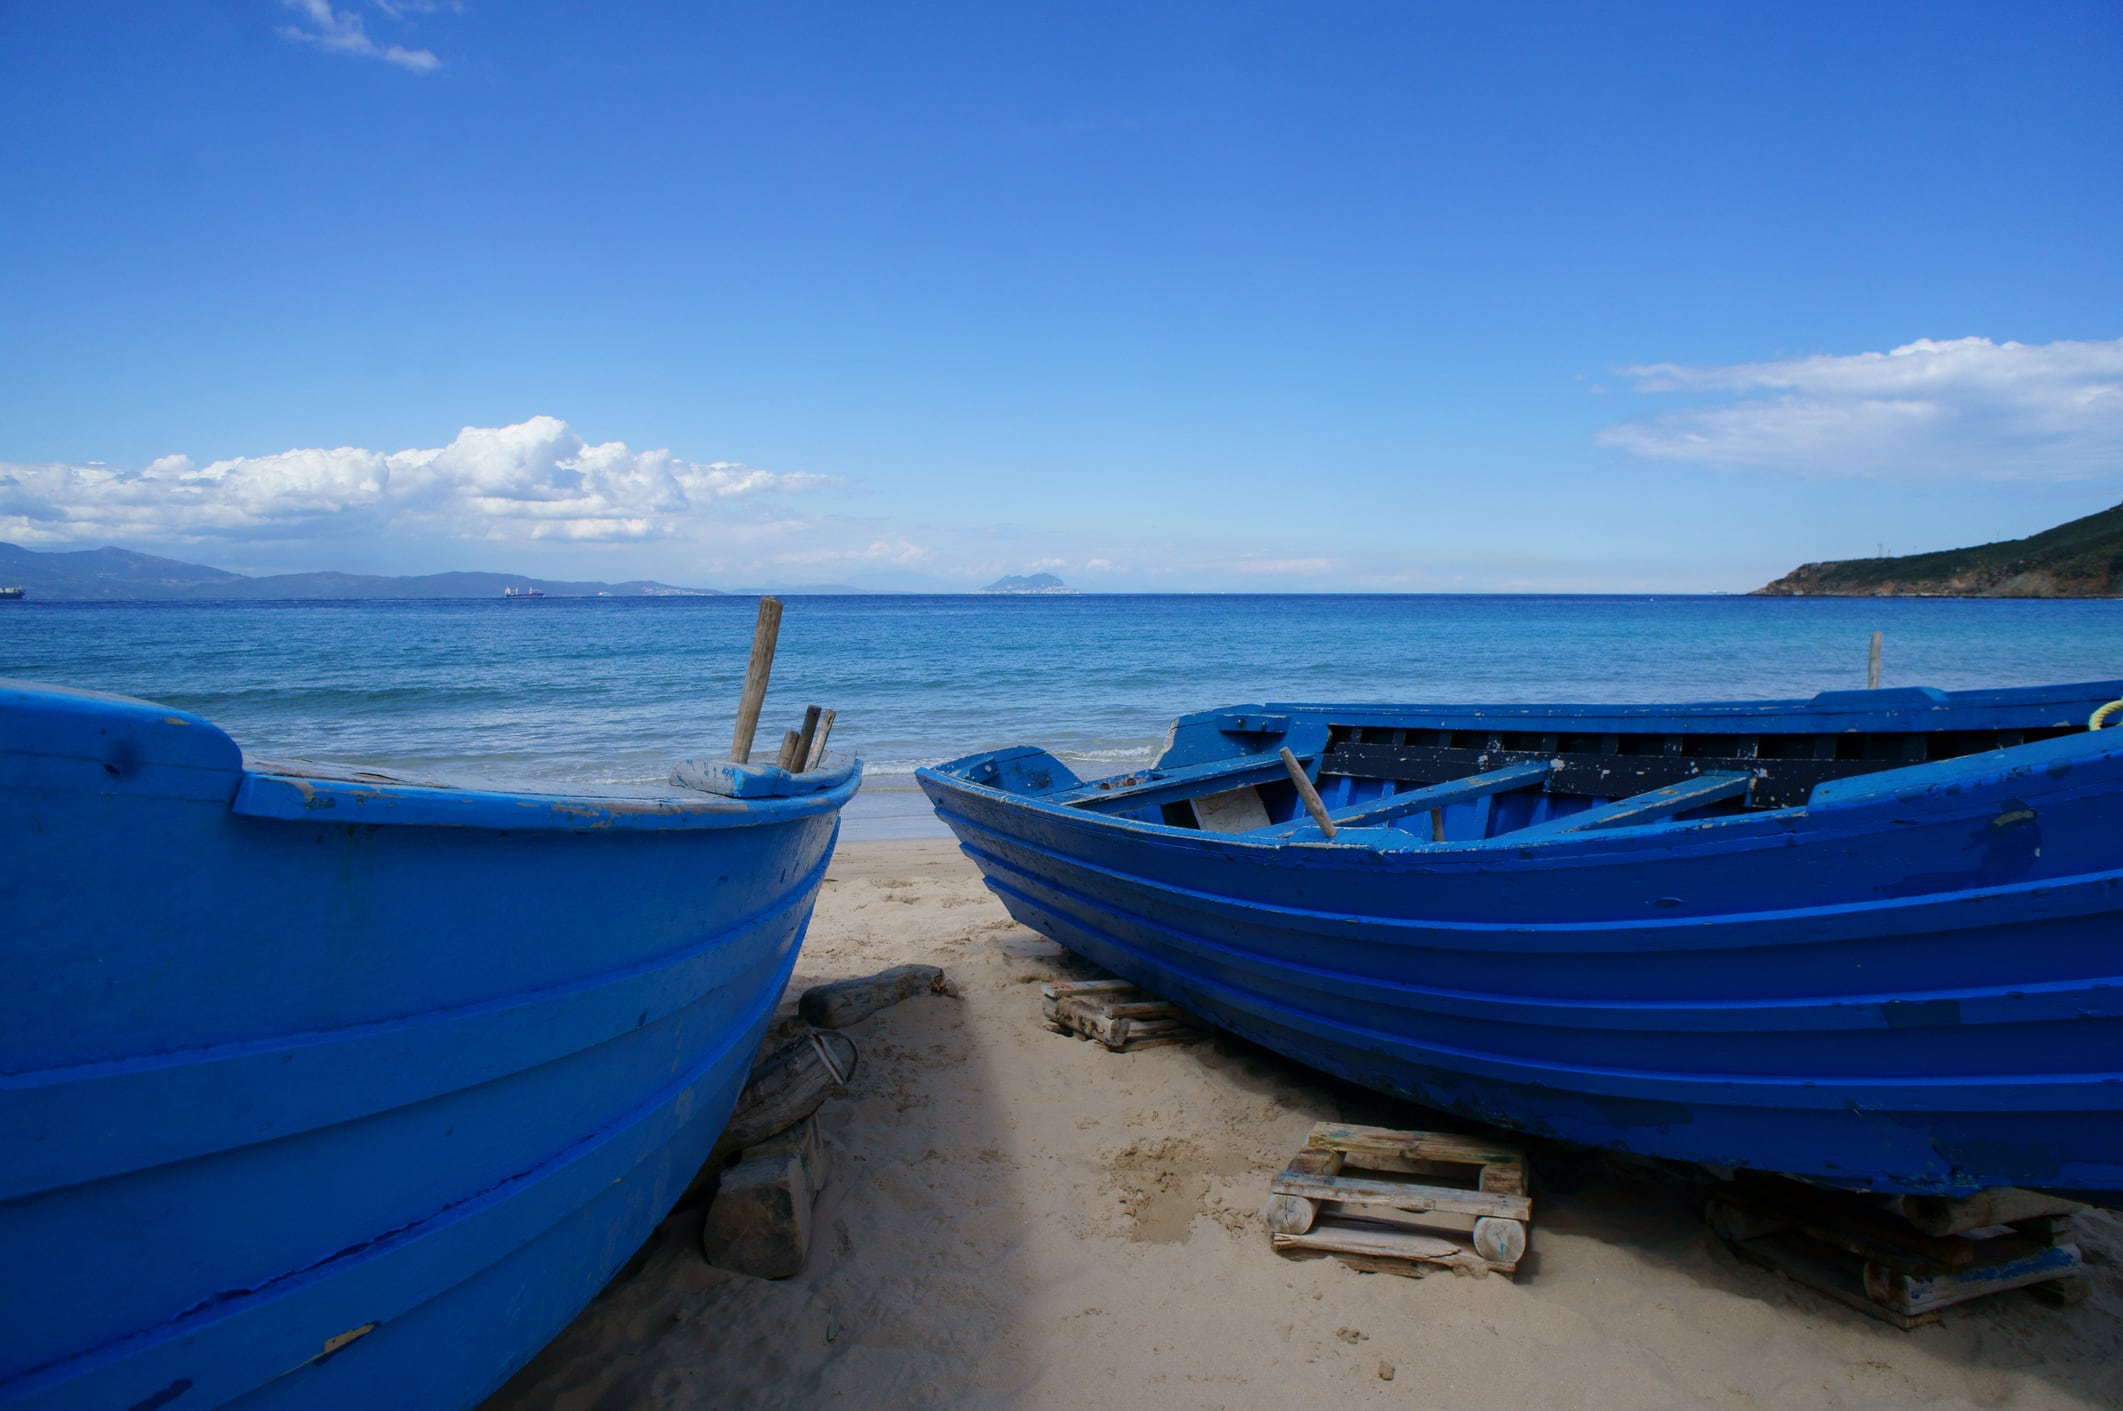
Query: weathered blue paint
{"type": "Point", "coordinates": [1911, 980]}
{"type": "Point", "coordinates": [333, 1092]}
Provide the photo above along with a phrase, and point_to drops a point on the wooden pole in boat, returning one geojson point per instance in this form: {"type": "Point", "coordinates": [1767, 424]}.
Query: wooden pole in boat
{"type": "Point", "coordinates": [757, 670]}
{"type": "Point", "coordinates": [1872, 665]}
{"type": "Point", "coordinates": [803, 739]}
{"type": "Point", "coordinates": [790, 742]}
{"type": "Point", "coordinates": [818, 746]}
{"type": "Point", "coordinates": [1305, 791]}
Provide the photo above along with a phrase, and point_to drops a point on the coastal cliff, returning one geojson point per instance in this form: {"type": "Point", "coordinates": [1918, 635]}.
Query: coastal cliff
{"type": "Point", "coordinates": [2082, 559]}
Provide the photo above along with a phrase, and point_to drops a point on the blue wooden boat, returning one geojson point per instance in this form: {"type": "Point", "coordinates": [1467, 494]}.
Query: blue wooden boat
{"type": "Point", "coordinates": [1874, 938]}
{"type": "Point", "coordinates": [323, 1092]}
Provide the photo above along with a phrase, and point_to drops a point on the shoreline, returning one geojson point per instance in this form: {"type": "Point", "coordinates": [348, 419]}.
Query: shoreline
{"type": "Point", "coordinates": [1014, 1217]}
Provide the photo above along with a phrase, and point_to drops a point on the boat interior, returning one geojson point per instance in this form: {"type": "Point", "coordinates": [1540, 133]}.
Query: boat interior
{"type": "Point", "coordinates": [1410, 779]}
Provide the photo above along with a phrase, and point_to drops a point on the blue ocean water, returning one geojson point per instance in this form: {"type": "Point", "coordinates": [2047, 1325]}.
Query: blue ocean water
{"type": "Point", "coordinates": [607, 693]}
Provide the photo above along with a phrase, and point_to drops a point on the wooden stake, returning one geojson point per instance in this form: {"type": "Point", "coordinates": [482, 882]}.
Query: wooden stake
{"type": "Point", "coordinates": [757, 670]}
{"type": "Point", "coordinates": [1306, 792]}
{"type": "Point", "coordinates": [818, 746]}
{"type": "Point", "coordinates": [803, 740]}
{"type": "Point", "coordinates": [1872, 665]}
{"type": "Point", "coordinates": [791, 742]}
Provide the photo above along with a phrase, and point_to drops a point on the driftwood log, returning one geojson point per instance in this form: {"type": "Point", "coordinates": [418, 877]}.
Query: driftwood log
{"type": "Point", "coordinates": [760, 1221]}
{"type": "Point", "coordinates": [845, 1002]}
{"type": "Point", "coordinates": [785, 1087]}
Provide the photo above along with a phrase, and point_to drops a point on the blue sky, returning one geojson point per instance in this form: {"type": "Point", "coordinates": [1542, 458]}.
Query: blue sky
{"type": "Point", "coordinates": [1217, 297]}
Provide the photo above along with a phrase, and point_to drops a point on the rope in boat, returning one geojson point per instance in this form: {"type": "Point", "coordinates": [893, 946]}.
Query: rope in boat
{"type": "Point", "coordinates": [2103, 713]}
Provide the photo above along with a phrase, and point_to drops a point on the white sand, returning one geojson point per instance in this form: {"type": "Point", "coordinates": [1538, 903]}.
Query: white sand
{"type": "Point", "coordinates": [1017, 1218]}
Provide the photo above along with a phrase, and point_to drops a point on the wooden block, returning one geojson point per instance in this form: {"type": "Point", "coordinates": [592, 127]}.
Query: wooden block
{"type": "Point", "coordinates": [1058, 988]}
{"type": "Point", "coordinates": [1507, 1177]}
{"type": "Point", "coordinates": [1316, 1162]}
{"type": "Point", "coordinates": [1909, 1293]}
{"type": "Point", "coordinates": [1419, 1146]}
{"type": "Point", "coordinates": [1430, 1222]}
{"type": "Point", "coordinates": [1403, 1268]}
{"type": "Point", "coordinates": [1402, 1196]}
{"type": "Point", "coordinates": [2049, 1229]}
{"type": "Point", "coordinates": [843, 1002]}
{"type": "Point", "coordinates": [1395, 1245]}
{"type": "Point", "coordinates": [1121, 1024]}
{"type": "Point", "coordinates": [1499, 1241]}
{"type": "Point", "coordinates": [1386, 1244]}
{"type": "Point", "coordinates": [1289, 1214]}
{"type": "Point", "coordinates": [1897, 1295]}
{"type": "Point", "coordinates": [1735, 1223]}
{"type": "Point", "coordinates": [800, 1141]}
{"type": "Point", "coordinates": [787, 1087]}
{"type": "Point", "coordinates": [760, 1221]}
{"type": "Point", "coordinates": [2063, 1292]}
{"type": "Point", "coordinates": [1144, 1009]}
{"type": "Point", "coordinates": [2005, 1205]}
{"type": "Point", "coordinates": [1826, 1271]}
{"type": "Point", "coordinates": [1849, 1222]}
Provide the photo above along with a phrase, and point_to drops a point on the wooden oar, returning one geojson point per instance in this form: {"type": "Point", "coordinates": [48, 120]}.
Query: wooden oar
{"type": "Point", "coordinates": [1306, 792]}
{"type": "Point", "coordinates": [818, 746]}
{"type": "Point", "coordinates": [757, 670]}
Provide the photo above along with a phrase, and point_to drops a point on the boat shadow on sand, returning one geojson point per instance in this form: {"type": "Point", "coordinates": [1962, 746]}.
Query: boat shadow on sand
{"type": "Point", "coordinates": [1017, 1217]}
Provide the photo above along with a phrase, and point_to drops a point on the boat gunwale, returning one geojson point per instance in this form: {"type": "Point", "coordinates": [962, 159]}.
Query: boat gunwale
{"type": "Point", "coordinates": [1900, 783]}
{"type": "Point", "coordinates": [1689, 924]}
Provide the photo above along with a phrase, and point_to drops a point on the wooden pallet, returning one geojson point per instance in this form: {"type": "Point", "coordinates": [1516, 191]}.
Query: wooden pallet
{"type": "Point", "coordinates": [1424, 1200]}
{"type": "Point", "coordinates": [1901, 1260]}
{"type": "Point", "coordinates": [1116, 1014]}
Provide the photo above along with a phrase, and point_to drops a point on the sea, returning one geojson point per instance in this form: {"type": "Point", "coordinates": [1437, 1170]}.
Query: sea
{"type": "Point", "coordinates": [606, 694]}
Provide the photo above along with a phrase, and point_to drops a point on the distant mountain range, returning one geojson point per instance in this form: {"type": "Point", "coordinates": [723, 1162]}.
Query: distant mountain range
{"type": "Point", "coordinates": [119, 575]}
{"type": "Point", "coordinates": [1036, 583]}
{"type": "Point", "coordinates": [2082, 559]}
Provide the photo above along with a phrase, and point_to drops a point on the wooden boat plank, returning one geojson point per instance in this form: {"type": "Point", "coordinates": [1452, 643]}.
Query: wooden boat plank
{"type": "Point", "coordinates": [1238, 810]}
{"type": "Point", "coordinates": [1154, 786]}
{"type": "Point", "coordinates": [1354, 1190]}
{"type": "Point", "coordinates": [1524, 775]}
{"type": "Point", "coordinates": [1699, 792]}
{"type": "Point", "coordinates": [1385, 1244]}
{"type": "Point", "coordinates": [1414, 1146]}
{"type": "Point", "coordinates": [1782, 783]}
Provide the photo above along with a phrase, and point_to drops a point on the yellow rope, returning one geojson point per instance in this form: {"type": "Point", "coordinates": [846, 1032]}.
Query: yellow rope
{"type": "Point", "coordinates": [2103, 713]}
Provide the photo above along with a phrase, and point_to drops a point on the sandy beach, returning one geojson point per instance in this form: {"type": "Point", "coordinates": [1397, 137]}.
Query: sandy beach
{"type": "Point", "coordinates": [1014, 1217]}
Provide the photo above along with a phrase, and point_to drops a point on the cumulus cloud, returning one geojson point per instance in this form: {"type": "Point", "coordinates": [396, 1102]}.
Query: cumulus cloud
{"type": "Point", "coordinates": [1959, 407]}
{"type": "Point", "coordinates": [534, 480]}
{"type": "Point", "coordinates": [344, 32]}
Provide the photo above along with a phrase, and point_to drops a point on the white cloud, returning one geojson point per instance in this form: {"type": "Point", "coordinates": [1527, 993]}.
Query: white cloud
{"type": "Point", "coordinates": [534, 480]}
{"type": "Point", "coordinates": [343, 32]}
{"type": "Point", "coordinates": [1295, 566]}
{"type": "Point", "coordinates": [890, 549]}
{"type": "Point", "coordinates": [1961, 407]}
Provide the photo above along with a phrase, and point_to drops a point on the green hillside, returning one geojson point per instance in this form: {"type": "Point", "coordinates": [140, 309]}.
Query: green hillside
{"type": "Point", "coordinates": [2082, 559]}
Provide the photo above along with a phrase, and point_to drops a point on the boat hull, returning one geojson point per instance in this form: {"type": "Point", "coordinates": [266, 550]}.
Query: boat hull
{"type": "Point", "coordinates": [330, 1094]}
{"type": "Point", "coordinates": [1913, 983]}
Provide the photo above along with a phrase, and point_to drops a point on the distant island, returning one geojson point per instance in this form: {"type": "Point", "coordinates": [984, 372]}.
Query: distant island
{"type": "Point", "coordinates": [1036, 583]}
{"type": "Point", "coordinates": [2082, 559]}
{"type": "Point", "coordinates": [118, 575]}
